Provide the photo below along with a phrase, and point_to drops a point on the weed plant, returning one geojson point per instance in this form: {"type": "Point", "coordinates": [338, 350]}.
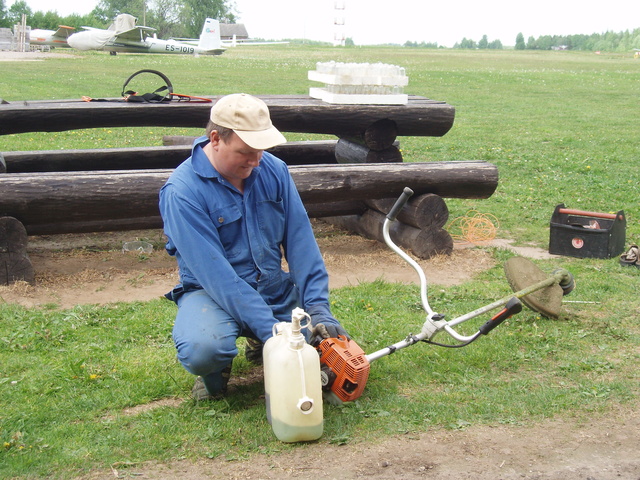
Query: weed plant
{"type": "Point", "coordinates": [561, 128]}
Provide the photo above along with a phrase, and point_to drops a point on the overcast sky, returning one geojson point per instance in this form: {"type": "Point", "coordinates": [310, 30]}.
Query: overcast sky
{"type": "Point", "coordinates": [383, 21]}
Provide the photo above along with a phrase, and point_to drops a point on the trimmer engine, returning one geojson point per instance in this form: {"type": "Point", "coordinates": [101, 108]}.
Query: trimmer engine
{"type": "Point", "coordinates": [344, 368]}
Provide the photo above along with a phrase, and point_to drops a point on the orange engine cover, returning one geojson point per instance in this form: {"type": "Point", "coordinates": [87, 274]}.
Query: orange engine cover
{"type": "Point", "coordinates": [348, 363]}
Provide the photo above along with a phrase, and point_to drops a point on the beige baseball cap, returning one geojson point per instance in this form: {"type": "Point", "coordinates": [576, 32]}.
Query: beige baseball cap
{"type": "Point", "coordinates": [248, 116]}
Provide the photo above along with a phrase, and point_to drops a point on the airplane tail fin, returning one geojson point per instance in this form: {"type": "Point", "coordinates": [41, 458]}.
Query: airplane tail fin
{"type": "Point", "coordinates": [210, 36]}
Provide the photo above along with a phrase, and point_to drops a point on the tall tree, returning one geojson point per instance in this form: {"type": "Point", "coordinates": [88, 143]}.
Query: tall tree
{"type": "Point", "coordinates": [14, 15]}
{"type": "Point", "coordinates": [177, 18]}
{"type": "Point", "coordinates": [3, 15]}
{"type": "Point", "coordinates": [109, 9]}
{"type": "Point", "coordinates": [164, 16]}
{"type": "Point", "coordinates": [194, 13]}
{"type": "Point", "coordinates": [520, 41]}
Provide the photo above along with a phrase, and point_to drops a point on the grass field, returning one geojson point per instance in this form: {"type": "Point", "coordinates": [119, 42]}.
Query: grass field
{"type": "Point", "coordinates": [560, 126]}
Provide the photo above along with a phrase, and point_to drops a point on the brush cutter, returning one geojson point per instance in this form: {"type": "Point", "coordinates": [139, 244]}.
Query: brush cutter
{"type": "Point", "coordinates": [345, 366]}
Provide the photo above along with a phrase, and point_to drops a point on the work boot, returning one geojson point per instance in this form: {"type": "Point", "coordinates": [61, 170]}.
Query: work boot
{"type": "Point", "coordinates": [253, 351]}
{"type": "Point", "coordinates": [199, 391]}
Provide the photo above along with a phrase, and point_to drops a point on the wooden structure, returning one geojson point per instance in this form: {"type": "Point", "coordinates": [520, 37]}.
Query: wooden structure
{"type": "Point", "coordinates": [147, 158]}
{"type": "Point", "coordinates": [289, 113]}
{"type": "Point", "coordinates": [355, 176]}
{"type": "Point", "coordinates": [365, 131]}
{"type": "Point", "coordinates": [71, 202]}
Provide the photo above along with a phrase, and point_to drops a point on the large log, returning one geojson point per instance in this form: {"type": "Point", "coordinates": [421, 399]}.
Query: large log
{"type": "Point", "coordinates": [423, 243]}
{"type": "Point", "coordinates": [380, 135]}
{"type": "Point", "coordinates": [421, 211]}
{"type": "Point", "coordinates": [15, 264]}
{"type": "Point", "coordinates": [137, 158]}
{"type": "Point", "coordinates": [170, 140]}
{"type": "Point", "coordinates": [460, 179]}
{"type": "Point", "coordinates": [47, 199]}
{"type": "Point", "coordinates": [146, 158]}
{"type": "Point", "coordinates": [348, 151]}
{"type": "Point", "coordinates": [314, 210]}
{"type": "Point", "coordinates": [289, 113]}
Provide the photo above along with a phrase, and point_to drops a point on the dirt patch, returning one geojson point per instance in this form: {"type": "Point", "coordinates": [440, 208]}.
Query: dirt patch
{"type": "Point", "coordinates": [6, 56]}
{"type": "Point", "coordinates": [552, 450]}
{"type": "Point", "coordinates": [92, 269]}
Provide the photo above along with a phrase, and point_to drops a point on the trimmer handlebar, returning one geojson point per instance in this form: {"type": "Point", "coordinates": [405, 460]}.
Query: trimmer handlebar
{"type": "Point", "coordinates": [512, 307]}
{"type": "Point", "coordinates": [400, 203]}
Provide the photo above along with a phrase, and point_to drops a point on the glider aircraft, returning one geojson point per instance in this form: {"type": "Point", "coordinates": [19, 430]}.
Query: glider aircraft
{"type": "Point", "coordinates": [52, 38]}
{"type": "Point", "coordinates": [127, 37]}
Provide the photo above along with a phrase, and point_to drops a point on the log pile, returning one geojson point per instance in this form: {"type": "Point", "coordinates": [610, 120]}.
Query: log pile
{"type": "Point", "coordinates": [352, 181]}
{"type": "Point", "coordinates": [72, 202]}
{"type": "Point", "coordinates": [148, 158]}
{"type": "Point", "coordinates": [14, 261]}
{"type": "Point", "coordinates": [290, 113]}
{"type": "Point", "coordinates": [419, 226]}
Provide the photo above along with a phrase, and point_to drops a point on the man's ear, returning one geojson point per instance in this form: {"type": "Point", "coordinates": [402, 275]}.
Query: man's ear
{"type": "Point", "coordinates": [214, 138]}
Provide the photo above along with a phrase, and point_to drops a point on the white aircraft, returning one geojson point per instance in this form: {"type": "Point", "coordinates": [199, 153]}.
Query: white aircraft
{"type": "Point", "coordinates": [52, 38]}
{"type": "Point", "coordinates": [125, 36]}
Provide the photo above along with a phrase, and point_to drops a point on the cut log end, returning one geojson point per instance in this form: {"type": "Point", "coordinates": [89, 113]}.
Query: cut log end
{"type": "Point", "coordinates": [14, 262]}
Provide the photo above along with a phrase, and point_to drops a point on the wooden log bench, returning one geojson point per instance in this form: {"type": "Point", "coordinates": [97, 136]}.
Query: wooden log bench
{"type": "Point", "coordinates": [44, 203]}
{"type": "Point", "coordinates": [378, 125]}
{"type": "Point", "coordinates": [147, 158]}
{"type": "Point", "coordinates": [116, 189]}
{"type": "Point", "coordinates": [73, 202]}
{"type": "Point", "coordinates": [367, 131]}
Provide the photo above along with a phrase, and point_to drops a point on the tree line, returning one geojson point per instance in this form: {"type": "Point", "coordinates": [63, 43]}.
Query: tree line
{"type": "Point", "coordinates": [184, 18]}
{"type": "Point", "coordinates": [171, 18]}
{"type": "Point", "coordinates": [607, 42]}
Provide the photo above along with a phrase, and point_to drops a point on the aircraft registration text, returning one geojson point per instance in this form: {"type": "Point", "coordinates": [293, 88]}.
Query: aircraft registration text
{"type": "Point", "coordinates": [179, 48]}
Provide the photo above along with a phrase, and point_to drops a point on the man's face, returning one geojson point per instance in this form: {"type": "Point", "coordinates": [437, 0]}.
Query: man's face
{"type": "Point", "coordinates": [234, 159]}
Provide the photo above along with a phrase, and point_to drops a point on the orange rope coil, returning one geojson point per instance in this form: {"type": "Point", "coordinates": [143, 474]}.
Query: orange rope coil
{"type": "Point", "coordinates": [474, 227]}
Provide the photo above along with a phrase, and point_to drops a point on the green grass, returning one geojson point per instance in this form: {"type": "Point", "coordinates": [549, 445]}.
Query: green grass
{"type": "Point", "coordinates": [561, 128]}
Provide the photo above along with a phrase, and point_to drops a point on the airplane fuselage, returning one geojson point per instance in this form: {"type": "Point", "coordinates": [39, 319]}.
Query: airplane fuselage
{"type": "Point", "coordinates": [50, 38]}
{"type": "Point", "coordinates": [101, 40]}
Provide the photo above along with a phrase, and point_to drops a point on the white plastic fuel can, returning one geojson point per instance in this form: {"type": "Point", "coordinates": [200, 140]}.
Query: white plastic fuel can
{"type": "Point", "coordinates": [293, 389]}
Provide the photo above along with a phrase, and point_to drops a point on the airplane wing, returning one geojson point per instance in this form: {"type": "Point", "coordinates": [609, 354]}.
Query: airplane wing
{"type": "Point", "coordinates": [63, 31]}
{"type": "Point", "coordinates": [190, 41]}
{"type": "Point", "coordinates": [238, 43]}
{"type": "Point", "coordinates": [134, 35]}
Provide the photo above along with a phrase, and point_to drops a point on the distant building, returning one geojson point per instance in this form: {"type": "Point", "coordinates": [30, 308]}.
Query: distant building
{"type": "Point", "coordinates": [6, 39]}
{"type": "Point", "coordinates": [228, 30]}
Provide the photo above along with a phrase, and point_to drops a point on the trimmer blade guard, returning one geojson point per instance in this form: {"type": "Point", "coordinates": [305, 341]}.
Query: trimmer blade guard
{"type": "Point", "coordinates": [522, 273]}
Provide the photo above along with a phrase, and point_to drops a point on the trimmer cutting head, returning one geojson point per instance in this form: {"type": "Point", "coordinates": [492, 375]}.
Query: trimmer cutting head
{"type": "Point", "coordinates": [522, 273]}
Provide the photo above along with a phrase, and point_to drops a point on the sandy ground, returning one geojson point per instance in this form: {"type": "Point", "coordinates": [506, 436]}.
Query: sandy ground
{"type": "Point", "coordinates": [553, 450]}
{"type": "Point", "coordinates": [91, 268]}
{"type": "Point", "coordinates": [6, 56]}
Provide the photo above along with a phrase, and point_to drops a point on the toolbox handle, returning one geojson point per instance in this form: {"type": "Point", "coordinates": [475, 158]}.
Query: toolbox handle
{"type": "Point", "coordinates": [569, 211]}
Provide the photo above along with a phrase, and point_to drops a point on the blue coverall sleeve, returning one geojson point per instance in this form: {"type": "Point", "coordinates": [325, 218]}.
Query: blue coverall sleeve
{"type": "Point", "coordinates": [302, 253]}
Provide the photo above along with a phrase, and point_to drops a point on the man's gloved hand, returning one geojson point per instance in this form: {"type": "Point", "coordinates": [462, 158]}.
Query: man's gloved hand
{"type": "Point", "coordinates": [323, 325]}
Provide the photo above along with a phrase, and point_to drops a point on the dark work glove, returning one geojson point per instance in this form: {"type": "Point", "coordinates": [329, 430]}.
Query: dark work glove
{"type": "Point", "coordinates": [323, 324]}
